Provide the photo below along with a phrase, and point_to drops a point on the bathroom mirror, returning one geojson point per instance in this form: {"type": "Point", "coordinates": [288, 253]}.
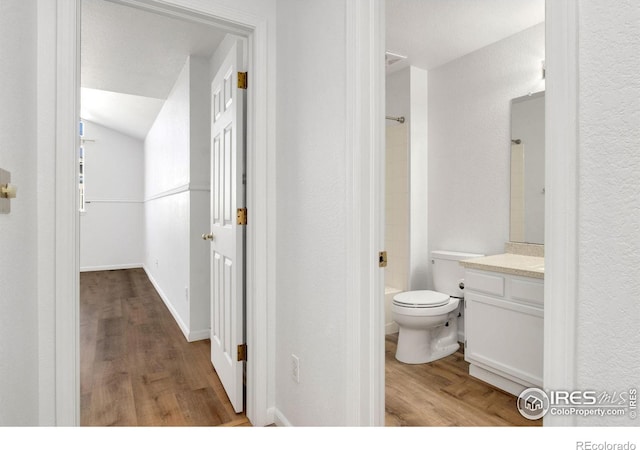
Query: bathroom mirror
{"type": "Point", "coordinates": [527, 169]}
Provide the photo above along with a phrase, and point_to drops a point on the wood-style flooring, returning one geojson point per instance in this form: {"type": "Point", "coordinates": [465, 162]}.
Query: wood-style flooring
{"type": "Point", "coordinates": [442, 393]}
{"type": "Point", "coordinates": [137, 369]}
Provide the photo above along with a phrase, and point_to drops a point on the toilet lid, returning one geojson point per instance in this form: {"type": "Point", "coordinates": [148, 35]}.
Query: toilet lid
{"type": "Point", "coordinates": [421, 299]}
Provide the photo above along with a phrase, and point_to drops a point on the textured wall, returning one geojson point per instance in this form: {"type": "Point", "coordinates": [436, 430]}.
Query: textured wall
{"type": "Point", "coordinates": [18, 231]}
{"type": "Point", "coordinates": [608, 342]}
{"type": "Point", "coordinates": [469, 116]}
{"type": "Point", "coordinates": [167, 143]}
{"type": "Point", "coordinates": [311, 191]}
{"type": "Point", "coordinates": [166, 160]}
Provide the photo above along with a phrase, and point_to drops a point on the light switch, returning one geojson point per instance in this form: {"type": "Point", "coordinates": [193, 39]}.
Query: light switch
{"type": "Point", "coordinates": [7, 191]}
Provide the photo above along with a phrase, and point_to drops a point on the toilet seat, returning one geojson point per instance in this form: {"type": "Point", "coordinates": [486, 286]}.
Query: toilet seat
{"type": "Point", "coordinates": [421, 299]}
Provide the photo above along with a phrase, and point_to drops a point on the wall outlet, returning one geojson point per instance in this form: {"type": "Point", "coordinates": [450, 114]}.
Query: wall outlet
{"type": "Point", "coordinates": [295, 368]}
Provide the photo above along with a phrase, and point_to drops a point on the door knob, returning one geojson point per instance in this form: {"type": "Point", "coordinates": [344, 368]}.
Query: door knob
{"type": "Point", "coordinates": [207, 236]}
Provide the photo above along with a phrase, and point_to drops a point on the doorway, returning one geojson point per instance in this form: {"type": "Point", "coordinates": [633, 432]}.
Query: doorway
{"type": "Point", "coordinates": [446, 95]}
{"type": "Point", "coordinates": [146, 113]}
{"type": "Point", "coordinates": [259, 192]}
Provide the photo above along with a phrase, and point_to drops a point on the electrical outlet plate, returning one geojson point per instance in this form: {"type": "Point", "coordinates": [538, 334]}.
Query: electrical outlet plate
{"type": "Point", "coordinates": [5, 203]}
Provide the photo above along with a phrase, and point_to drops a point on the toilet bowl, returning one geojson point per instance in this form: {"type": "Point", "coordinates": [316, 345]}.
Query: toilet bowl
{"type": "Point", "coordinates": [428, 326]}
{"type": "Point", "coordinates": [428, 320]}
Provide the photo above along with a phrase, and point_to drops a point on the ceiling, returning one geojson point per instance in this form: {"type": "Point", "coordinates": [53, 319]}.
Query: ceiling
{"type": "Point", "coordinates": [433, 32]}
{"type": "Point", "coordinates": [131, 58]}
{"type": "Point", "coordinates": [134, 57]}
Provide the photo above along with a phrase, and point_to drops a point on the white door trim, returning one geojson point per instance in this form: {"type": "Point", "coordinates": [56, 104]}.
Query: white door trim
{"type": "Point", "coordinates": [64, 260]}
{"type": "Point", "coordinates": [365, 43]}
{"type": "Point", "coordinates": [67, 218]}
{"type": "Point", "coordinates": [561, 209]}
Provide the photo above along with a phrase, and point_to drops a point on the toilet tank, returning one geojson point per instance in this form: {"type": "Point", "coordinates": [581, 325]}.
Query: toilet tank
{"type": "Point", "coordinates": [447, 271]}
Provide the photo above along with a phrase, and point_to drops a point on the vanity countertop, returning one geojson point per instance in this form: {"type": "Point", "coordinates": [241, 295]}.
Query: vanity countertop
{"type": "Point", "coordinates": [510, 263]}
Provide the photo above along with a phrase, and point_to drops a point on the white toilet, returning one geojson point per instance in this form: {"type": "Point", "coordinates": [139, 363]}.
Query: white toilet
{"type": "Point", "coordinates": [428, 320]}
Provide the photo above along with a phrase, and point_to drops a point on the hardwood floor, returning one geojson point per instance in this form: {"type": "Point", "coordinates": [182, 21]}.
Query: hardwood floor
{"type": "Point", "coordinates": [442, 393]}
{"type": "Point", "coordinates": [137, 369]}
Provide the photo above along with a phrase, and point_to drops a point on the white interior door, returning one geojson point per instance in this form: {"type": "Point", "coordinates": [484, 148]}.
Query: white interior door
{"type": "Point", "coordinates": [227, 235]}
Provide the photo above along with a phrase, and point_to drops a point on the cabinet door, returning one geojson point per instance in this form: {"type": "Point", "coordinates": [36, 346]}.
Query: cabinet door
{"type": "Point", "coordinates": [506, 336]}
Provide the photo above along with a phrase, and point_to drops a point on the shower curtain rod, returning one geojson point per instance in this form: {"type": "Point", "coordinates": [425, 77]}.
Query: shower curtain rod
{"type": "Point", "coordinates": [397, 119]}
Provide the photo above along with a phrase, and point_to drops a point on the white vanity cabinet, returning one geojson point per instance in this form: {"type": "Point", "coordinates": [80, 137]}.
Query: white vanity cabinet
{"type": "Point", "coordinates": [504, 319]}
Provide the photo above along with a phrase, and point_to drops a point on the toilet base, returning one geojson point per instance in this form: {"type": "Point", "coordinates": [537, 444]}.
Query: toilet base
{"type": "Point", "coordinates": [424, 346]}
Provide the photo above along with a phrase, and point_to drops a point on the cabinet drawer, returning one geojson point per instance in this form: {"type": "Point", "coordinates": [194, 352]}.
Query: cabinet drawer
{"type": "Point", "coordinates": [483, 282]}
{"type": "Point", "coordinates": [527, 291]}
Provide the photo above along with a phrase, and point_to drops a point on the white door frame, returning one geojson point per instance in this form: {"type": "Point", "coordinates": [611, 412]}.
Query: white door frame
{"type": "Point", "coordinates": [561, 200]}
{"type": "Point", "coordinates": [561, 245]}
{"type": "Point", "coordinates": [60, 391]}
{"type": "Point", "coordinates": [365, 105]}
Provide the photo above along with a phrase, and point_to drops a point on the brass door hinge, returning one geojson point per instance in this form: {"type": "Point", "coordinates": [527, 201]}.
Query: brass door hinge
{"type": "Point", "coordinates": [242, 352]}
{"type": "Point", "coordinates": [382, 259]}
{"type": "Point", "coordinates": [242, 216]}
{"type": "Point", "coordinates": [242, 80]}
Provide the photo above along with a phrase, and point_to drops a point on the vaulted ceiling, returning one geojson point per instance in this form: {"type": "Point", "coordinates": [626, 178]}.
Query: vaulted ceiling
{"type": "Point", "coordinates": [130, 60]}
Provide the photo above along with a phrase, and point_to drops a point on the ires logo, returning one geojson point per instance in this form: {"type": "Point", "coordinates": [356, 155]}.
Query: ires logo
{"type": "Point", "coordinates": [534, 403]}
{"type": "Point", "coordinates": [590, 398]}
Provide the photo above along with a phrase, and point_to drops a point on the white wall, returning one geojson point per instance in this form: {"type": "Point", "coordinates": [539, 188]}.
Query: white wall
{"type": "Point", "coordinates": [166, 160]}
{"type": "Point", "coordinates": [469, 141]}
{"type": "Point", "coordinates": [398, 94]}
{"type": "Point", "coordinates": [111, 228]}
{"type": "Point", "coordinates": [608, 342]}
{"type": "Point", "coordinates": [311, 191]}
{"type": "Point", "coordinates": [176, 200]}
{"type": "Point", "coordinates": [199, 201]}
{"type": "Point", "coordinates": [18, 243]}
{"type": "Point", "coordinates": [418, 174]}
{"type": "Point", "coordinates": [167, 143]}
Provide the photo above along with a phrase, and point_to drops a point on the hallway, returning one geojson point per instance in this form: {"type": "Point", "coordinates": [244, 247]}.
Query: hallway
{"type": "Point", "coordinates": [137, 369]}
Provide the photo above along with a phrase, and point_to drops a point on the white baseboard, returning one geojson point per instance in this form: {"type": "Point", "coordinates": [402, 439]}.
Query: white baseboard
{"type": "Point", "coordinates": [199, 335]}
{"type": "Point", "coordinates": [280, 419]}
{"type": "Point", "coordinates": [111, 267]}
{"type": "Point", "coordinates": [165, 299]}
{"type": "Point", "coordinates": [391, 328]}
{"type": "Point", "coordinates": [496, 380]}
{"type": "Point", "coordinates": [270, 417]}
